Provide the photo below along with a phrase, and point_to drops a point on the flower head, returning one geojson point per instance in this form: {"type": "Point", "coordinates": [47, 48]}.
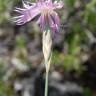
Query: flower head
{"type": "Point", "coordinates": [44, 9]}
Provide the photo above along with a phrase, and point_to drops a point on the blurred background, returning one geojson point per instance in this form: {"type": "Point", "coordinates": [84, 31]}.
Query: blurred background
{"type": "Point", "coordinates": [73, 66]}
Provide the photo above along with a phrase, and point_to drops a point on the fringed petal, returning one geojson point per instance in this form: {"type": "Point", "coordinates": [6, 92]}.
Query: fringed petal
{"type": "Point", "coordinates": [56, 18]}
{"type": "Point", "coordinates": [49, 3]}
{"type": "Point", "coordinates": [54, 22]}
{"type": "Point", "coordinates": [42, 22]}
{"type": "Point", "coordinates": [26, 14]}
{"type": "Point", "coordinates": [27, 4]}
{"type": "Point", "coordinates": [58, 4]}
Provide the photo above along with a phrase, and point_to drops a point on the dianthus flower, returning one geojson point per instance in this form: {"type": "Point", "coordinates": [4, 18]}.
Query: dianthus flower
{"type": "Point", "coordinates": [45, 12]}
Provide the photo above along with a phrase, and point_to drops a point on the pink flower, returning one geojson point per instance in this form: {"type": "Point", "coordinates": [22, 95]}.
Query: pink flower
{"type": "Point", "coordinates": [44, 10]}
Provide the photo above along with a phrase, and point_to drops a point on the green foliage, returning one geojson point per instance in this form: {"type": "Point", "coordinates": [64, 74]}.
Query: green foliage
{"type": "Point", "coordinates": [90, 19]}
{"type": "Point", "coordinates": [20, 42]}
{"type": "Point", "coordinates": [68, 62]}
{"type": "Point", "coordinates": [6, 7]}
{"type": "Point", "coordinates": [71, 63]}
{"type": "Point", "coordinates": [4, 10]}
{"type": "Point", "coordinates": [87, 92]}
{"type": "Point", "coordinates": [90, 15]}
{"type": "Point", "coordinates": [2, 63]}
{"type": "Point", "coordinates": [77, 39]}
{"type": "Point", "coordinates": [8, 89]}
{"type": "Point", "coordinates": [69, 3]}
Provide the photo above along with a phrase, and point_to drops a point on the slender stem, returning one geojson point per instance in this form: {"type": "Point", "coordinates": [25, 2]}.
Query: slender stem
{"type": "Point", "coordinates": [47, 44]}
{"type": "Point", "coordinates": [46, 83]}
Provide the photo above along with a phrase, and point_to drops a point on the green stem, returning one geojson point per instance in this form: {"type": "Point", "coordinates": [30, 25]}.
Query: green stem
{"type": "Point", "coordinates": [47, 43]}
{"type": "Point", "coordinates": [46, 84]}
